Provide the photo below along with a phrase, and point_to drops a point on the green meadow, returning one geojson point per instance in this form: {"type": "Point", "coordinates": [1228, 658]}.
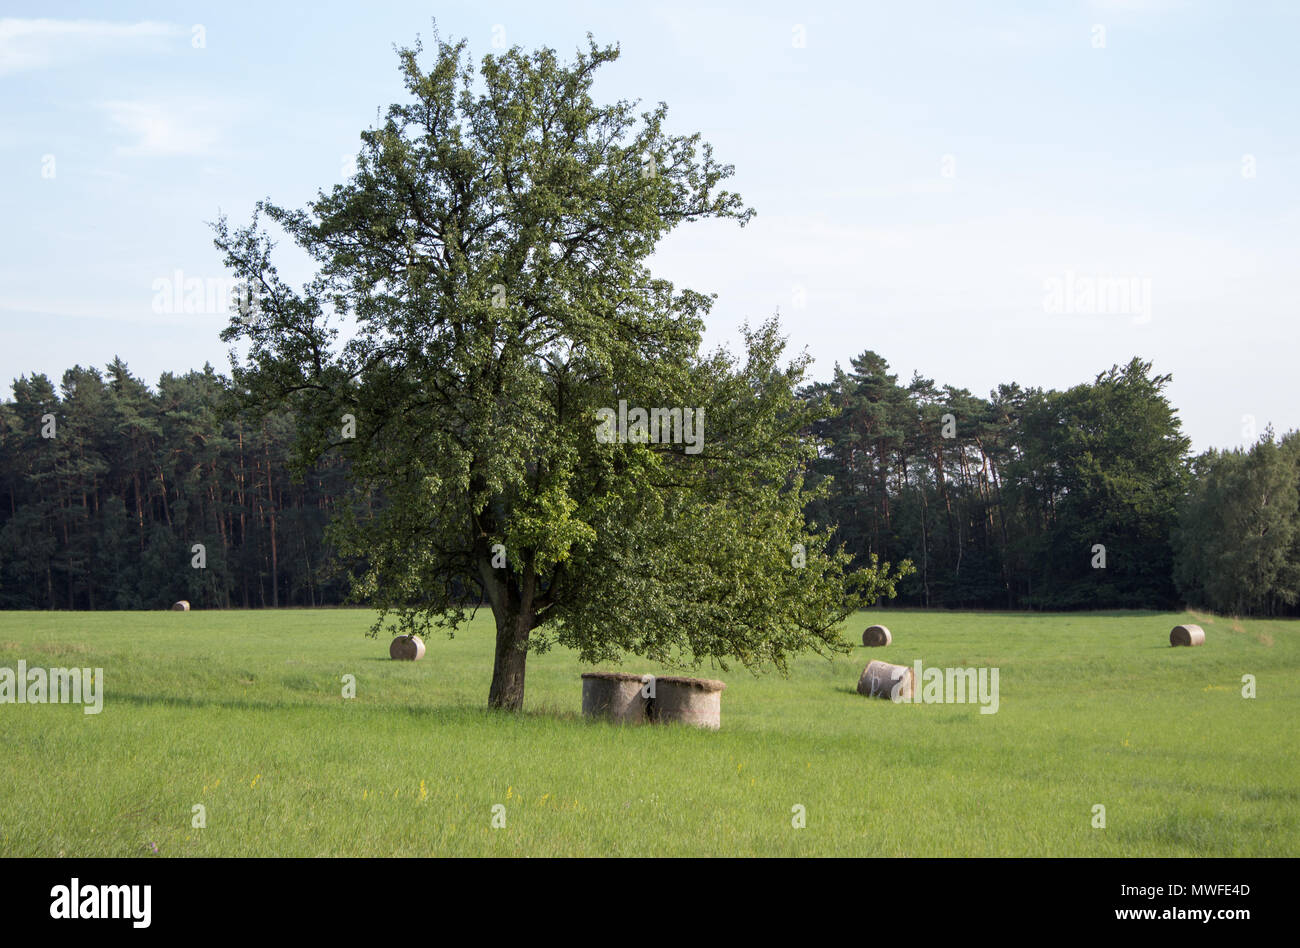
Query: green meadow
{"type": "Point", "coordinates": [243, 714]}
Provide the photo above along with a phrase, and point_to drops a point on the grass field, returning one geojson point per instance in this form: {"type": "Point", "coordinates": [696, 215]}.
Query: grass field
{"type": "Point", "coordinates": [242, 712]}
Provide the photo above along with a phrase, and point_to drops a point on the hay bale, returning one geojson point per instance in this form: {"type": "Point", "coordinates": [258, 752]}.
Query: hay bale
{"type": "Point", "coordinates": [694, 701]}
{"type": "Point", "coordinates": [1187, 635]}
{"type": "Point", "coordinates": [879, 680]}
{"type": "Point", "coordinates": [406, 648]}
{"type": "Point", "coordinates": [616, 696]}
{"type": "Point", "coordinates": [181, 606]}
{"type": "Point", "coordinates": [876, 636]}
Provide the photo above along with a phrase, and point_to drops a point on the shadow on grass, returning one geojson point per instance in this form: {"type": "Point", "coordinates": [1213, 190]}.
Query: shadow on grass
{"type": "Point", "coordinates": [850, 690]}
{"type": "Point", "coordinates": [450, 713]}
{"type": "Point", "coordinates": [450, 716]}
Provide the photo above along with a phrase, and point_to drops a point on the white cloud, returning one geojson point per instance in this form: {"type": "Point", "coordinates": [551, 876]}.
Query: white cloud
{"type": "Point", "coordinates": [164, 130]}
{"type": "Point", "coordinates": [43, 43]}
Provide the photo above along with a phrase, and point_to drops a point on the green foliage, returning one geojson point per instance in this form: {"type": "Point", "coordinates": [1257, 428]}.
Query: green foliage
{"type": "Point", "coordinates": [489, 262]}
{"type": "Point", "coordinates": [1238, 540]}
{"type": "Point", "coordinates": [104, 514]}
{"type": "Point", "coordinates": [1103, 463]}
{"type": "Point", "coordinates": [1000, 501]}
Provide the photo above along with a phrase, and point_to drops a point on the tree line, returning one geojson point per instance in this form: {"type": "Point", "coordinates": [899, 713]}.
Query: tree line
{"type": "Point", "coordinates": [116, 495]}
{"type": "Point", "coordinates": [1045, 499]}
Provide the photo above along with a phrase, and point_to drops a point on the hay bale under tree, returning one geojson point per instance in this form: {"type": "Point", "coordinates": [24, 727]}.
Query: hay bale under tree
{"type": "Point", "coordinates": [181, 606]}
{"type": "Point", "coordinates": [406, 648]}
{"type": "Point", "coordinates": [879, 680]}
{"type": "Point", "coordinates": [1187, 635]}
{"type": "Point", "coordinates": [617, 696]}
{"type": "Point", "coordinates": [876, 636]}
{"type": "Point", "coordinates": [694, 701]}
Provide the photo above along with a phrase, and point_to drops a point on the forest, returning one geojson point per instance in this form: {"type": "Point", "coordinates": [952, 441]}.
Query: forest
{"type": "Point", "coordinates": [118, 495]}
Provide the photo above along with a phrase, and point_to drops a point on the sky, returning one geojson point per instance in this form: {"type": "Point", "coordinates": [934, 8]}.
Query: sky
{"type": "Point", "coordinates": [981, 193]}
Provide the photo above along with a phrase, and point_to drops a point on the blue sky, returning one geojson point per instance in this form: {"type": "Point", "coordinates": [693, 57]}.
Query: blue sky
{"type": "Point", "coordinates": [926, 175]}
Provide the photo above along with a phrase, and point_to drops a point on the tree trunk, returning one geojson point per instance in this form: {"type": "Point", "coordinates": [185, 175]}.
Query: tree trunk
{"type": "Point", "coordinates": [139, 509]}
{"type": "Point", "coordinates": [507, 691]}
{"type": "Point", "coordinates": [270, 510]}
{"type": "Point", "coordinates": [515, 610]}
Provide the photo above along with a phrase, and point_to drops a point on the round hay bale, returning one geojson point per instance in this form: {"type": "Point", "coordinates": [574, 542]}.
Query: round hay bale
{"type": "Point", "coordinates": [880, 679]}
{"type": "Point", "coordinates": [1187, 635]}
{"type": "Point", "coordinates": [694, 701]}
{"type": "Point", "coordinates": [616, 696]}
{"type": "Point", "coordinates": [181, 606]}
{"type": "Point", "coordinates": [876, 636]}
{"type": "Point", "coordinates": [406, 648]}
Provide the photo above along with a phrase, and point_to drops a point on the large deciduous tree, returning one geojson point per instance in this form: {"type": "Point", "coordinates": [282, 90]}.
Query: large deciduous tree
{"type": "Point", "coordinates": [1103, 464]}
{"type": "Point", "coordinates": [482, 294]}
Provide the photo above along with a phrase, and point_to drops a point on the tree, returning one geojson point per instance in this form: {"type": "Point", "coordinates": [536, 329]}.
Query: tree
{"type": "Point", "coordinates": [1238, 538]}
{"type": "Point", "coordinates": [1103, 463]}
{"type": "Point", "coordinates": [488, 263]}
{"type": "Point", "coordinates": [28, 540]}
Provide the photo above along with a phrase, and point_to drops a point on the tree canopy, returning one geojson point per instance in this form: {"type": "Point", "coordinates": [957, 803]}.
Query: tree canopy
{"type": "Point", "coordinates": [482, 297]}
{"type": "Point", "coordinates": [1001, 501]}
